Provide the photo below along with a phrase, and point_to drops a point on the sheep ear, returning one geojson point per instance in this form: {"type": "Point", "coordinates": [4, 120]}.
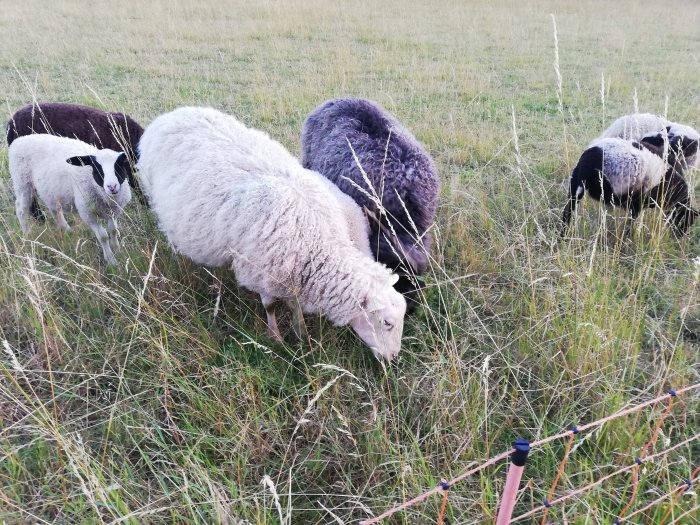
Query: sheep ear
{"type": "Point", "coordinates": [374, 305]}
{"type": "Point", "coordinates": [655, 140]}
{"type": "Point", "coordinates": [84, 160]}
{"type": "Point", "coordinates": [393, 279]}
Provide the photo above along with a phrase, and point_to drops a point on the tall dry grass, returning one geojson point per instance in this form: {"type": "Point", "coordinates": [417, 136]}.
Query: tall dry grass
{"type": "Point", "coordinates": [150, 394]}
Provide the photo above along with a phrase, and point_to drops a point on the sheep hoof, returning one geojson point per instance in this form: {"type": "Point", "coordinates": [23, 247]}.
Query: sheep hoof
{"type": "Point", "coordinates": [300, 330]}
{"type": "Point", "coordinates": [275, 334]}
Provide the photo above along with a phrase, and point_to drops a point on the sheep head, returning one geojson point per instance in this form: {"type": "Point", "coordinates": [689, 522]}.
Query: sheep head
{"type": "Point", "coordinates": [380, 323]}
{"type": "Point", "coordinates": [678, 150]}
{"type": "Point", "coordinates": [683, 218]}
{"type": "Point", "coordinates": [109, 168]}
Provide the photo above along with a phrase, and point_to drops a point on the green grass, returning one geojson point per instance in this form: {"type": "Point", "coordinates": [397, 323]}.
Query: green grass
{"type": "Point", "coordinates": [150, 393]}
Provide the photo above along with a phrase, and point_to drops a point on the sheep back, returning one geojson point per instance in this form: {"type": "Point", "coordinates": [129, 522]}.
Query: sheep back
{"type": "Point", "coordinates": [401, 175]}
{"type": "Point", "coordinates": [627, 166]}
{"type": "Point", "coordinates": [635, 126]}
{"type": "Point", "coordinates": [105, 130]}
{"type": "Point", "coordinates": [111, 130]}
{"type": "Point", "coordinates": [227, 195]}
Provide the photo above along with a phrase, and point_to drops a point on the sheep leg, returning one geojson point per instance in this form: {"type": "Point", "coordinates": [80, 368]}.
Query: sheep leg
{"type": "Point", "coordinates": [57, 214]}
{"type": "Point", "coordinates": [22, 206]}
{"type": "Point", "coordinates": [272, 330]}
{"type": "Point", "coordinates": [298, 324]}
{"type": "Point", "coordinates": [635, 210]}
{"type": "Point", "coordinates": [112, 231]}
{"type": "Point", "coordinates": [566, 216]}
{"type": "Point", "coordinates": [102, 238]}
{"type": "Point", "coordinates": [24, 196]}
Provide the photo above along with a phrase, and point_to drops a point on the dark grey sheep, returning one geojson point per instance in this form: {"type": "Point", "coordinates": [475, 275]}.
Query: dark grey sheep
{"type": "Point", "coordinates": [102, 129]}
{"type": "Point", "coordinates": [401, 175]}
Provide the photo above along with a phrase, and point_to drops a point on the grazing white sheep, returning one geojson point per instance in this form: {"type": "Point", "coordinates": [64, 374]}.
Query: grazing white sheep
{"type": "Point", "coordinates": [632, 175]}
{"type": "Point", "coordinates": [69, 175]}
{"type": "Point", "coordinates": [682, 140]}
{"type": "Point", "coordinates": [227, 195]}
{"type": "Point", "coordinates": [635, 126]}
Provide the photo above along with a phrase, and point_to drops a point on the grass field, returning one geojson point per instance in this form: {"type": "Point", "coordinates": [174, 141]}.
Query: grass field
{"type": "Point", "coordinates": [150, 393]}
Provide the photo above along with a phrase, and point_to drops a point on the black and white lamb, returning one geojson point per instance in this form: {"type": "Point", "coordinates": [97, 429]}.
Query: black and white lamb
{"type": "Point", "coordinates": [69, 175]}
{"type": "Point", "coordinates": [227, 195]}
{"type": "Point", "coordinates": [397, 184]}
{"type": "Point", "coordinates": [632, 175]}
{"type": "Point", "coordinates": [682, 140]}
{"type": "Point", "coordinates": [102, 129]}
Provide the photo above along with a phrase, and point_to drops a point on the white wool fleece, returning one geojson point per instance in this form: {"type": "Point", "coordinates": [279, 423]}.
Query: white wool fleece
{"type": "Point", "coordinates": [227, 195]}
{"type": "Point", "coordinates": [628, 168]}
{"type": "Point", "coordinates": [635, 126]}
{"type": "Point", "coordinates": [255, 153]}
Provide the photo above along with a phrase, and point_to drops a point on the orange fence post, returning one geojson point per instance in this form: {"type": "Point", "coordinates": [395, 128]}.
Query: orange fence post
{"type": "Point", "coordinates": [515, 472]}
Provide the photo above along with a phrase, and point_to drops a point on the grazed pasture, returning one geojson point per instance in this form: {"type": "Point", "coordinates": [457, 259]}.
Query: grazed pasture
{"type": "Point", "coordinates": [150, 394]}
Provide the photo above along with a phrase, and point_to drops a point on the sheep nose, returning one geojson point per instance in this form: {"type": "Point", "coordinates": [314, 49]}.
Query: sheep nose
{"type": "Point", "coordinates": [112, 188]}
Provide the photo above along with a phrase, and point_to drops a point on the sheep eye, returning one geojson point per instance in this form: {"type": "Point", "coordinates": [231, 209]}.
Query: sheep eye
{"type": "Point", "coordinates": [387, 325]}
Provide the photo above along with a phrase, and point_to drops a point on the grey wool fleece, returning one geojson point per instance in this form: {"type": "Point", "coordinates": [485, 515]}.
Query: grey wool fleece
{"type": "Point", "coordinates": [400, 191]}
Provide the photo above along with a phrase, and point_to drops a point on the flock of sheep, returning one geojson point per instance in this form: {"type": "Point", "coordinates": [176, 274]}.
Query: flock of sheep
{"type": "Point", "coordinates": [343, 232]}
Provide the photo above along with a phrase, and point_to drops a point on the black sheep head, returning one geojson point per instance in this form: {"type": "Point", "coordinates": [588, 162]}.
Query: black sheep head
{"type": "Point", "coordinates": [683, 218]}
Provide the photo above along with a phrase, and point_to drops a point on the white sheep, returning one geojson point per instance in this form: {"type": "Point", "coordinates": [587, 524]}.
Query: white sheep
{"type": "Point", "coordinates": [635, 126]}
{"type": "Point", "coordinates": [227, 195]}
{"type": "Point", "coordinates": [677, 139]}
{"type": "Point", "coordinates": [69, 175]}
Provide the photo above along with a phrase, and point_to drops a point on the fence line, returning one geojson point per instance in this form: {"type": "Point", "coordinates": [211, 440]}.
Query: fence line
{"type": "Point", "coordinates": [560, 471]}
{"type": "Point", "coordinates": [586, 488]}
{"type": "Point", "coordinates": [568, 433]}
{"type": "Point", "coordinates": [683, 487]}
{"type": "Point", "coordinates": [446, 491]}
{"type": "Point", "coordinates": [670, 508]}
{"type": "Point", "coordinates": [635, 472]}
{"type": "Point", "coordinates": [686, 513]}
{"type": "Point", "coordinates": [437, 489]}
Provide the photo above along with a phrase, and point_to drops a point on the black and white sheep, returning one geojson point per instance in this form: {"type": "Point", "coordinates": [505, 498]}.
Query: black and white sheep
{"type": "Point", "coordinates": [632, 175]}
{"type": "Point", "coordinates": [70, 175]}
{"type": "Point", "coordinates": [397, 183]}
{"type": "Point", "coordinates": [668, 137]}
{"type": "Point", "coordinates": [227, 195]}
{"type": "Point", "coordinates": [102, 129]}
